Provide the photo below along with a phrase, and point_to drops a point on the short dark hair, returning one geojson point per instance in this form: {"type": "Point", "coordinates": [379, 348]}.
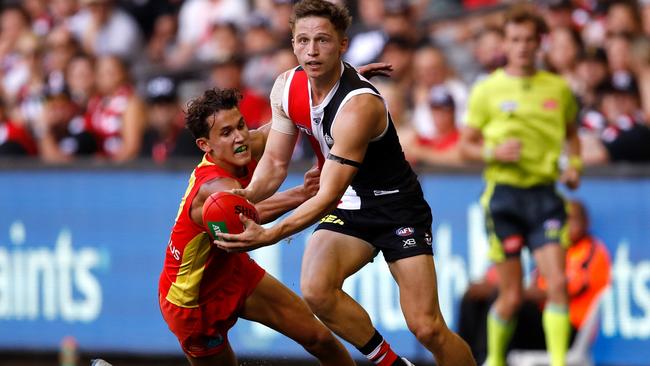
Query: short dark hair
{"type": "Point", "coordinates": [338, 15]}
{"type": "Point", "coordinates": [521, 13]}
{"type": "Point", "coordinates": [211, 102]}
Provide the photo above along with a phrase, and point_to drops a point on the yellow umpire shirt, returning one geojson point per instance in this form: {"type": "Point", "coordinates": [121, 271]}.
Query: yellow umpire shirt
{"type": "Point", "coordinates": [536, 110]}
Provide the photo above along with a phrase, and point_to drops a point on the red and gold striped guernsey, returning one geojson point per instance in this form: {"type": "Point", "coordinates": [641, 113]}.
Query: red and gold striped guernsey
{"type": "Point", "coordinates": [194, 268]}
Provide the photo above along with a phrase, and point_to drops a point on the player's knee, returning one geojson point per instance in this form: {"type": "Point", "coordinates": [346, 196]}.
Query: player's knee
{"type": "Point", "coordinates": [429, 330]}
{"type": "Point", "coordinates": [511, 300]}
{"type": "Point", "coordinates": [318, 296]}
{"type": "Point", "coordinates": [319, 341]}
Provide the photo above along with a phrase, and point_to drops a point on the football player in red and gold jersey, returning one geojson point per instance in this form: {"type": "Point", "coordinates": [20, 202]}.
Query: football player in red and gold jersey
{"type": "Point", "coordinates": [203, 290]}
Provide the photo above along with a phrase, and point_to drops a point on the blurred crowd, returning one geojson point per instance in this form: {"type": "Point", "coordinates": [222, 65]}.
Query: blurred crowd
{"type": "Point", "coordinates": [109, 79]}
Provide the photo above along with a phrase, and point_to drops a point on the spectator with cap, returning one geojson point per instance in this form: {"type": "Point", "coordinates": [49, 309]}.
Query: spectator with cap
{"type": "Point", "coordinates": [626, 135]}
{"type": "Point", "coordinates": [442, 148]}
{"type": "Point", "coordinates": [102, 28]}
{"type": "Point", "coordinates": [166, 136]}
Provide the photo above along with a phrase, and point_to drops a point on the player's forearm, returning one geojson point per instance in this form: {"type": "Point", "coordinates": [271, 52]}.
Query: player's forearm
{"type": "Point", "coordinates": [281, 202]}
{"type": "Point", "coordinates": [304, 216]}
{"type": "Point", "coordinates": [266, 180]}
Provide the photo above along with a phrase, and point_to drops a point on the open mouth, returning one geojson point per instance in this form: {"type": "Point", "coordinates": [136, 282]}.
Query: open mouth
{"type": "Point", "coordinates": [313, 63]}
{"type": "Point", "coordinates": [241, 149]}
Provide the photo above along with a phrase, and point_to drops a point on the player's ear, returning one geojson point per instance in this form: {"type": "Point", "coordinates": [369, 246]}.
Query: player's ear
{"type": "Point", "coordinates": [202, 143]}
{"type": "Point", "coordinates": [345, 42]}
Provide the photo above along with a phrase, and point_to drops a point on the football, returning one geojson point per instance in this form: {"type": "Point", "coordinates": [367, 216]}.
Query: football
{"type": "Point", "coordinates": [221, 213]}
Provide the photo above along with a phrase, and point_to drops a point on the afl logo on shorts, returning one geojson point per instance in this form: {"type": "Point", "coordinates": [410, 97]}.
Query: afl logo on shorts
{"type": "Point", "coordinates": [405, 231]}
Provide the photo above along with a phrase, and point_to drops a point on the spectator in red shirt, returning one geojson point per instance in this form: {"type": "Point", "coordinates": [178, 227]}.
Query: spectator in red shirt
{"type": "Point", "coordinates": [227, 74]}
{"type": "Point", "coordinates": [442, 148]}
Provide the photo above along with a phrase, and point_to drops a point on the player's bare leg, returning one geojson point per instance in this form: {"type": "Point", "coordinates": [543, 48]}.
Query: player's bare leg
{"type": "Point", "coordinates": [223, 358]}
{"type": "Point", "coordinates": [419, 301]}
{"type": "Point", "coordinates": [328, 260]}
{"type": "Point", "coordinates": [277, 307]}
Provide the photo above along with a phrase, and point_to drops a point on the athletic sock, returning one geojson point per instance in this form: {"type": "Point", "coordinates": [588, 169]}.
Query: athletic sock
{"type": "Point", "coordinates": [556, 331]}
{"type": "Point", "coordinates": [499, 332]}
{"type": "Point", "coordinates": [378, 351]}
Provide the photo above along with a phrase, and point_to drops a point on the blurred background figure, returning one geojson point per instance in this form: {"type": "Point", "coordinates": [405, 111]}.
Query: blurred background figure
{"type": "Point", "coordinates": [442, 149]}
{"type": "Point", "coordinates": [15, 140]}
{"type": "Point", "coordinates": [621, 132]}
{"type": "Point", "coordinates": [227, 73]}
{"type": "Point", "coordinates": [488, 52]}
{"type": "Point", "coordinates": [65, 136]}
{"type": "Point", "coordinates": [116, 115]}
{"type": "Point", "coordinates": [102, 28]}
{"type": "Point", "coordinates": [430, 69]}
{"type": "Point", "coordinates": [198, 26]}
{"type": "Point", "coordinates": [588, 269]}
{"type": "Point", "coordinates": [166, 136]}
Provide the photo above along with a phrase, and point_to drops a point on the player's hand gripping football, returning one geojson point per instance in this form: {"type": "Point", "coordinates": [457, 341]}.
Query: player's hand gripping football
{"type": "Point", "coordinates": [254, 236]}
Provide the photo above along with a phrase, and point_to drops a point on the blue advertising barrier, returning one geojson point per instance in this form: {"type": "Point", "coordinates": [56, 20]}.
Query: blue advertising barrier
{"type": "Point", "coordinates": [81, 252]}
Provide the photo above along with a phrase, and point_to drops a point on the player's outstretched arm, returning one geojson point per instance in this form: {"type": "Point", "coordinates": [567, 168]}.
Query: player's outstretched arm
{"type": "Point", "coordinates": [360, 120]}
{"type": "Point", "coordinates": [272, 168]}
{"type": "Point", "coordinates": [282, 202]}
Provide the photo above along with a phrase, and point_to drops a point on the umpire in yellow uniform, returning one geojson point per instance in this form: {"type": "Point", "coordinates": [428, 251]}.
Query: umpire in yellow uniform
{"type": "Point", "coordinates": [518, 121]}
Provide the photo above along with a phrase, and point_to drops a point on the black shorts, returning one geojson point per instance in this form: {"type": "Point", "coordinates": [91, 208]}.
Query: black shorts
{"type": "Point", "coordinates": [517, 217]}
{"type": "Point", "coordinates": [399, 230]}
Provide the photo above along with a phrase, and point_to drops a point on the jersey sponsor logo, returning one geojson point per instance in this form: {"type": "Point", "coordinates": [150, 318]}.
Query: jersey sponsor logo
{"type": "Point", "coordinates": [405, 231]}
{"type": "Point", "coordinates": [409, 243]}
{"type": "Point", "coordinates": [508, 106]}
{"type": "Point", "coordinates": [513, 243]}
{"type": "Point", "coordinates": [550, 104]}
{"type": "Point", "coordinates": [332, 219]}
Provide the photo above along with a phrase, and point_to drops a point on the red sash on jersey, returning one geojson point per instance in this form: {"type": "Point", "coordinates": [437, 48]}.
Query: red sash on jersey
{"type": "Point", "coordinates": [299, 110]}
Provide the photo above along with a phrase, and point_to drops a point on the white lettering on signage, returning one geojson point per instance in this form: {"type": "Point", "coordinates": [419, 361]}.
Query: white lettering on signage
{"type": "Point", "coordinates": [49, 283]}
